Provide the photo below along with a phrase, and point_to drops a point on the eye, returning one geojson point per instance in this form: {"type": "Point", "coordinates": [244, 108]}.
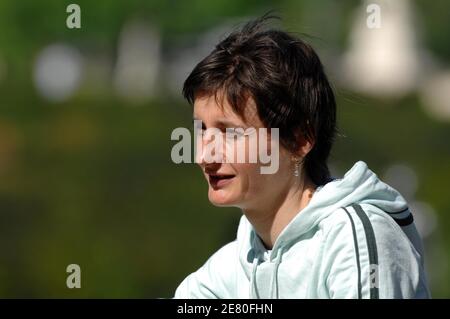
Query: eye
{"type": "Point", "coordinates": [249, 131]}
{"type": "Point", "coordinates": [245, 131]}
{"type": "Point", "coordinates": [237, 132]}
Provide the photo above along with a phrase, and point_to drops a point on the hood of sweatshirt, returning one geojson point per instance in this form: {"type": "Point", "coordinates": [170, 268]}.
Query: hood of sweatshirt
{"type": "Point", "coordinates": [358, 185]}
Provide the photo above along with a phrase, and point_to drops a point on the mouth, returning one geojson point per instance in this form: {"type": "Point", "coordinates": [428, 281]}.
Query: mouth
{"type": "Point", "coordinates": [219, 180]}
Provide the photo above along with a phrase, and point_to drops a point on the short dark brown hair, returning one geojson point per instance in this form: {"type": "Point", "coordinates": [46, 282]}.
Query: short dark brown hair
{"type": "Point", "coordinates": [285, 78]}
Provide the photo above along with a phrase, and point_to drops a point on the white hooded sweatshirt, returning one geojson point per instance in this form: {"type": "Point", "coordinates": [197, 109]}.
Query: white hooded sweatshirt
{"type": "Point", "coordinates": [355, 239]}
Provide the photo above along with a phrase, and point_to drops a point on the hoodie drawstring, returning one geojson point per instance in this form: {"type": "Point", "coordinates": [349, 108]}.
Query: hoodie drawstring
{"type": "Point", "coordinates": [253, 291]}
{"type": "Point", "coordinates": [273, 281]}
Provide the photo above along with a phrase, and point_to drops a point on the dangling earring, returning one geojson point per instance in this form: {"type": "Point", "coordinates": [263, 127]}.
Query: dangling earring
{"type": "Point", "coordinates": [296, 166]}
{"type": "Point", "coordinates": [296, 172]}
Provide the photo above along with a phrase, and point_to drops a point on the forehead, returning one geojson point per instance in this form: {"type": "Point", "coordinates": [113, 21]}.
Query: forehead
{"type": "Point", "coordinates": [209, 108]}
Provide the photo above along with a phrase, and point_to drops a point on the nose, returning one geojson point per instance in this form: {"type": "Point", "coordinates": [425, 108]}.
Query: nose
{"type": "Point", "coordinates": [209, 149]}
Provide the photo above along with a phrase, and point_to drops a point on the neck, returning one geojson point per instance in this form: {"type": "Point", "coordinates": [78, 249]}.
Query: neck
{"type": "Point", "coordinates": [271, 218]}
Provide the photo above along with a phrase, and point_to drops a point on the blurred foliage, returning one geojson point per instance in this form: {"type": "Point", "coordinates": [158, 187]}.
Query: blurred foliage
{"type": "Point", "coordinates": [90, 181]}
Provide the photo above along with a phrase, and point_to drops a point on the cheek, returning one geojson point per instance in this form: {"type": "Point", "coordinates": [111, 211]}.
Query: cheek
{"type": "Point", "coordinates": [250, 177]}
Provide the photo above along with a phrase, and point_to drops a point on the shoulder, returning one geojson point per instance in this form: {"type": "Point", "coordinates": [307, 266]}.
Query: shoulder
{"type": "Point", "coordinates": [228, 252]}
{"type": "Point", "coordinates": [215, 278]}
{"type": "Point", "coordinates": [220, 268]}
{"type": "Point", "coordinates": [370, 242]}
{"type": "Point", "coordinates": [372, 230]}
{"type": "Point", "coordinates": [369, 220]}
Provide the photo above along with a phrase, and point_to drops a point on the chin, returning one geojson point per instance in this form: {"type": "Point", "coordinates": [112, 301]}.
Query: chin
{"type": "Point", "coordinates": [221, 198]}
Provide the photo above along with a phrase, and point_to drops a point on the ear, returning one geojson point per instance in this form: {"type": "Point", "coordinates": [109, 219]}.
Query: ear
{"type": "Point", "coordinates": [304, 145]}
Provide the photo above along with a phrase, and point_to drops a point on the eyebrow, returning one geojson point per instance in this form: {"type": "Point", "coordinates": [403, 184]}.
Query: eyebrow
{"type": "Point", "coordinates": [222, 121]}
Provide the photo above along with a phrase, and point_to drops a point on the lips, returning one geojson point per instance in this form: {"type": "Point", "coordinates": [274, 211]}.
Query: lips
{"type": "Point", "coordinates": [220, 180]}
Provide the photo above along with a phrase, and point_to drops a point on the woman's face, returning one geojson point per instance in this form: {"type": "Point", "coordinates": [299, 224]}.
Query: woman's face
{"type": "Point", "coordinates": [238, 184]}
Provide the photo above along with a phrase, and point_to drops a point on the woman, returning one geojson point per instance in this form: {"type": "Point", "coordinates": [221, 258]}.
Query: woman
{"type": "Point", "coordinates": [303, 234]}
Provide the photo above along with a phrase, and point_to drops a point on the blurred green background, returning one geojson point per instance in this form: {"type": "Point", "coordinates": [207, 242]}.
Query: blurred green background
{"type": "Point", "coordinates": [86, 115]}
